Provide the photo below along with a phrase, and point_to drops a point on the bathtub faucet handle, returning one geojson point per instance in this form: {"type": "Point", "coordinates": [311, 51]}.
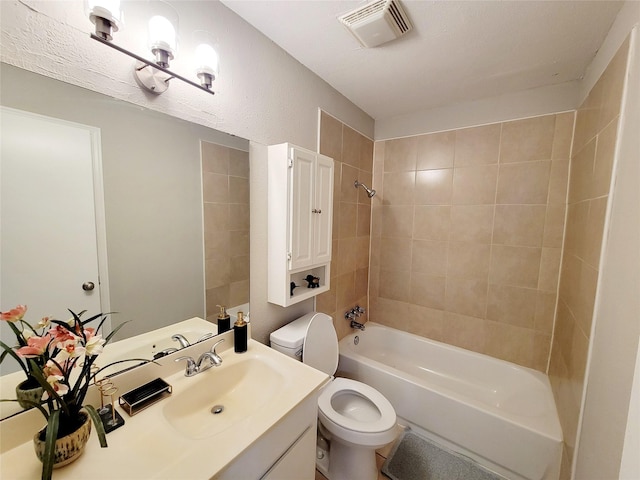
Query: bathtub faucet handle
{"type": "Point", "coordinates": [358, 310]}
{"type": "Point", "coordinates": [350, 315]}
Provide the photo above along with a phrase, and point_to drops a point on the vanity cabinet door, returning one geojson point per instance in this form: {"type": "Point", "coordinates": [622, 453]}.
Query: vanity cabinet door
{"type": "Point", "coordinates": [298, 462]}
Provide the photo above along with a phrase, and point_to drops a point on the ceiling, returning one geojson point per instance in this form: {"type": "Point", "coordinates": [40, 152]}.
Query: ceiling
{"type": "Point", "coordinates": [458, 51]}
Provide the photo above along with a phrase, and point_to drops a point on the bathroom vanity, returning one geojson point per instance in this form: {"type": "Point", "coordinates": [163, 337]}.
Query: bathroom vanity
{"type": "Point", "coordinates": [266, 430]}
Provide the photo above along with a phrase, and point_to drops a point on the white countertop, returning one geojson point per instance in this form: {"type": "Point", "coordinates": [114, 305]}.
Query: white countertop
{"type": "Point", "coordinates": [145, 345]}
{"type": "Point", "coordinates": [147, 446]}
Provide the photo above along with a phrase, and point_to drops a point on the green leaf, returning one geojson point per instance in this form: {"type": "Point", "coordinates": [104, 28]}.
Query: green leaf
{"type": "Point", "coordinates": [9, 351]}
{"type": "Point", "coordinates": [104, 319]}
{"type": "Point", "coordinates": [141, 360]}
{"type": "Point", "coordinates": [91, 319]}
{"type": "Point", "coordinates": [33, 404]}
{"type": "Point", "coordinates": [50, 445]}
{"type": "Point", "coordinates": [114, 331]}
{"type": "Point", "coordinates": [18, 333]}
{"type": "Point", "coordinates": [37, 374]}
{"type": "Point", "coordinates": [97, 421]}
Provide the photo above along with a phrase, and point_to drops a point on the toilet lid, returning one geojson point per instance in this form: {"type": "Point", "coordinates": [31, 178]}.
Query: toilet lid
{"type": "Point", "coordinates": [320, 348]}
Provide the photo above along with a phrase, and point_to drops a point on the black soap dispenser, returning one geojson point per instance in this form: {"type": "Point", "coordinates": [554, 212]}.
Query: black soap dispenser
{"type": "Point", "coordinates": [224, 321]}
{"type": "Point", "coordinates": [240, 334]}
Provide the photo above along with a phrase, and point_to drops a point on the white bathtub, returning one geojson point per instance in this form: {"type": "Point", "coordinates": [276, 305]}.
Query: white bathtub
{"type": "Point", "coordinates": [496, 412]}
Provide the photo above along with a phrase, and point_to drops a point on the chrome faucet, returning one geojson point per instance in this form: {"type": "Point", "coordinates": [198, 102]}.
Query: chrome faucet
{"type": "Point", "coordinates": [184, 343]}
{"type": "Point", "coordinates": [357, 325]}
{"type": "Point", "coordinates": [165, 352]}
{"type": "Point", "coordinates": [354, 313]}
{"type": "Point", "coordinates": [205, 361]}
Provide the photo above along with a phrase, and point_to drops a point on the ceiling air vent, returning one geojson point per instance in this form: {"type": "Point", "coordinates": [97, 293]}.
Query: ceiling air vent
{"type": "Point", "coordinates": [377, 22]}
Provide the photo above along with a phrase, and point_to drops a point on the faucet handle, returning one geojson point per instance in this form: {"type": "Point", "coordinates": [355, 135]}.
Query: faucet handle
{"type": "Point", "coordinates": [192, 367]}
{"type": "Point", "coordinates": [217, 359]}
{"type": "Point", "coordinates": [350, 315]}
{"type": "Point", "coordinates": [359, 310]}
{"type": "Point", "coordinates": [213, 349]}
{"type": "Point", "coordinates": [206, 336]}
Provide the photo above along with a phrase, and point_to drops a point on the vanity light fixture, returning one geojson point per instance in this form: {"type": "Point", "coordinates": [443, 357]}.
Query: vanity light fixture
{"type": "Point", "coordinates": [206, 64]}
{"type": "Point", "coordinates": [105, 15]}
{"type": "Point", "coordinates": [152, 75]}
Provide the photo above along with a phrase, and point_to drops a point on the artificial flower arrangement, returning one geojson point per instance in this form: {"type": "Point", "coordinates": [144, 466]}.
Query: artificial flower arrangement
{"type": "Point", "coordinates": [59, 356]}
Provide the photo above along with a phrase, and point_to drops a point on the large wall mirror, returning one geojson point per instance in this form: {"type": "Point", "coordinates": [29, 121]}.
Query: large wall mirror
{"type": "Point", "coordinates": [176, 206]}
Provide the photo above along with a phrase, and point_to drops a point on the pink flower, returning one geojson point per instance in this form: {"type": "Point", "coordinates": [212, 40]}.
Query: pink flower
{"type": "Point", "coordinates": [14, 314]}
{"type": "Point", "coordinates": [61, 334]}
{"type": "Point", "coordinates": [36, 346]}
{"type": "Point", "coordinates": [51, 369]}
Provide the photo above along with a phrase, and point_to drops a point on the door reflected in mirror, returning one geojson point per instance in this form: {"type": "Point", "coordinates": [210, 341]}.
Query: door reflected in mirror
{"type": "Point", "coordinates": [164, 235]}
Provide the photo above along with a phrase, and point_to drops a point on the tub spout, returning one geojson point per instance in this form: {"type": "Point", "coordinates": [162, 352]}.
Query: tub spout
{"type": "Point", "coordinates": [357, 325]}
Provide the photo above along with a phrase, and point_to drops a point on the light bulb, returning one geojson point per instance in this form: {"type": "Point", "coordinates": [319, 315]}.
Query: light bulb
{"type": "Point", "coordinates": [105, 15]}
{"type": "Point", "coordinates": [206, 60]}
{"type": "Point", "coordinates": [162, 39]}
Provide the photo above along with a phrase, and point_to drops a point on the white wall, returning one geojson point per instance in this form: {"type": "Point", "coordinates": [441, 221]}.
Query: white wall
{"type": "Point", "coordinates": [528, 103]}
{"type": "Point", "coordinates": [606, 419]}
{"type": "Point", "coordinates": [263, 94]}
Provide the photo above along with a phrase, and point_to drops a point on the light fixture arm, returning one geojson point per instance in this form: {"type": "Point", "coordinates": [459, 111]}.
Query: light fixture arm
{"type": "Point", "coordinates": [149, 63]}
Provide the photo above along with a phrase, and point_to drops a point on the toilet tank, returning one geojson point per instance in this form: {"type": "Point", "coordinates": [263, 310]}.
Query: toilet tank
{"type": "Point", "coordinates": [289, 338]}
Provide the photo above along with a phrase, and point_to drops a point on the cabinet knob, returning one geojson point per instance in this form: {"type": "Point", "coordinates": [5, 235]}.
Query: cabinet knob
{"type": "Point", "coordinates": [315, 210]}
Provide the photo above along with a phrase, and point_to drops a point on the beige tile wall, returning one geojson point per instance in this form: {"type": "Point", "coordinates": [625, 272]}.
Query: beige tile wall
{"type": "Point", "coordinates": [590, 178]}
{"type": "Point", "coordinates": [467, 235]}
{"type": "Point", "coordinates": [225, 186]}
{"type": "Point", "coordinates": [353, 157]}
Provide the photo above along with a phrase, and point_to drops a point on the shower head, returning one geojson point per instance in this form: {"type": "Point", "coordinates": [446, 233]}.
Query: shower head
{"type": "Point", "coordinates": [370, 191]}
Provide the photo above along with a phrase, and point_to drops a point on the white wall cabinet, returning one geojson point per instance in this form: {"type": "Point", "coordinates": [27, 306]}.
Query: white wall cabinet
{"type": "Point", "coordinates": [300, 217]}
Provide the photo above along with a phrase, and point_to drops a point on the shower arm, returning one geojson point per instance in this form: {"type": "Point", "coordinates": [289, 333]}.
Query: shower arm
{"type": "Point", "coordinates": [370, 191]}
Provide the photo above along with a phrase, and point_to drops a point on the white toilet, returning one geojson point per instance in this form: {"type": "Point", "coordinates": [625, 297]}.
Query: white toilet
{"type": "Point", "coordinates": [357, 417]}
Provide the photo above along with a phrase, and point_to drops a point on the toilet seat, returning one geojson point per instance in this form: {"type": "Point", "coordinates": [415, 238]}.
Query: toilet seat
{"type": "Point", "coordinates": [320, 350]}
{"type": "Point", "coordinates": [386, 419]}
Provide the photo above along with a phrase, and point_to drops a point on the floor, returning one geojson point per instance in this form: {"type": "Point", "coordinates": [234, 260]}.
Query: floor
{"type": "Point", "coordinates": [381, 456]}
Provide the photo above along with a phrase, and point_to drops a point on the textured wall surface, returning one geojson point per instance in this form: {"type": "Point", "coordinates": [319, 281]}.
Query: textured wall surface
{"type": "Point", "coordinates": [262, 93]}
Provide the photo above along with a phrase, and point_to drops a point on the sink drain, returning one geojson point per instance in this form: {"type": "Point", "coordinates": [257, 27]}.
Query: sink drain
{"type": "Point", "coordinates": [216, 409]}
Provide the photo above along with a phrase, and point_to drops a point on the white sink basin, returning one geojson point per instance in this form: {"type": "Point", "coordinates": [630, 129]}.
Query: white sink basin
{"type": "Point", "coordinates": [220, 397]}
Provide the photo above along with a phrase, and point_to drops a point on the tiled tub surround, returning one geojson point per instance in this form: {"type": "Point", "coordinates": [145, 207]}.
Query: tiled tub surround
{"type": "Point", "coordinates": [352, 153]}
{"type": "Point", "coordinates": [225, 188]}
{"type": "Point", "coordinates": [467, 235]}
{"type": "Point", "coordinates": [590, 179]}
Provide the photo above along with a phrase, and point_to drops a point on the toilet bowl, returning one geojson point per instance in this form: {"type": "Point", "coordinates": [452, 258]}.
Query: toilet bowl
{"type": "Point", "coordinates": [355, 418]}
